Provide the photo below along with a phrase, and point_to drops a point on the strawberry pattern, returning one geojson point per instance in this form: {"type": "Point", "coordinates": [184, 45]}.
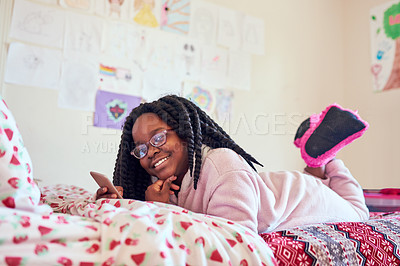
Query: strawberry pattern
{"type": "Point", "coordinates": [81, 231]}
{"type": "Point", "coordinates": [17, 188]}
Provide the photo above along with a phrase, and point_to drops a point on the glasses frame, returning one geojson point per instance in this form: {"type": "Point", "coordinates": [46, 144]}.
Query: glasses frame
{"type": "Point", "coordinates": [165, 131]}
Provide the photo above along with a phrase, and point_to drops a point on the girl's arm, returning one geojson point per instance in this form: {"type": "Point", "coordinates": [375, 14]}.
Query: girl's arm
{"type": "Point", "coordinates": [236, 197]}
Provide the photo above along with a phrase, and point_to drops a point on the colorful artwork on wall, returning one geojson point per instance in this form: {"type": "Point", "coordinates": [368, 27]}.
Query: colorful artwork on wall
{"type": "Point", "coordinates": [112, 109]}
{"type": "Point", "coordinates": [385, 46]}
{"type": "Point", "coordinates": [175, 16]}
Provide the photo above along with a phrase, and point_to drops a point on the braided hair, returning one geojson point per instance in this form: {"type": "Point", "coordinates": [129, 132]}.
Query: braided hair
{"type": "Point", "coordinates": [190, 123]}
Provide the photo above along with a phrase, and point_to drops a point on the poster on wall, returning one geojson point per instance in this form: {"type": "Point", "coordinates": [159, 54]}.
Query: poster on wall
{"type": "Point", "coordinates": [203, 97]}
{"type": "Point", "coordinates": [119, 78]}
{"type": "Point", "coordinates": [112, 109]}
{"type": "Point", "coordinates": [33, 66]}
{"type": "Point", "coordinates": [175, 16]}
{"type": "Point", "coordinates": [385, 46]}
{"type": "Point", "coordinates": [78, 82]}
{"type": "Point", "coordinates": [147, 12]}
{"type": "Point", "coordinates": [37, 24]}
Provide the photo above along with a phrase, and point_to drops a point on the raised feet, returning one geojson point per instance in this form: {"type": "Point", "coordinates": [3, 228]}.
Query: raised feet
{"type": "Point", "coordinates": [322, 135]}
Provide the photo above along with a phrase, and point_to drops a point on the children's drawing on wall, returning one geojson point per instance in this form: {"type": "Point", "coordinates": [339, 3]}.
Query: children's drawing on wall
{"type": "Point", "coordinates": [229, 34]}
{"type": "Point", "coordinates": [33, 66]}
{"type": "Point", "coordinates": [112, 108]}
{"type": "Point", "coordinates": [146, 12]}
{"type": "Point", "coordinates": [188, 53]}
{"type": "Point", "coordinates": [115, 40]}
{"type": "Point", "coordinates": [175, 16]}
{"type": "Point", "coordinates": [158, 83]}
{"type": "Point", "coordinates": [118, 9]}
{"type": "Point", "coordinates": [385, 46]}
{"type": "Point", "coordinates": [78, 83]}
{"type": "Point", "coordinates": [214, 65]}
{"type": "Point", "coordinates": [121, 79]}
{"type": "Point", "coordinates": [224, 104]}
{"type": "Point", "coordinates": [83, 33]}
{"type": "Point", "coordinates": [239, 71]}
{"type": "Point", "coordinates": [253, 35]}
{"type": "Point", "coordinates": [203, 22]}
{"type": "Point", "coordinates": [37, 24]}
{"type": "Point", "coordinates": [201, 96]}
{"type": "Point", "coordinates": [161, 53]}
{"type": "Point", "coordinates": [137, 43]}
{"type": "Point", "coordinates": [83, 5]}
{"type": "Point", "coordinates": [163, 73]}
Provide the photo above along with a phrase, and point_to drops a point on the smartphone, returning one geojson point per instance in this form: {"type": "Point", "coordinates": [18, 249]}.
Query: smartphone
{"type": "Point", "coordinates": [103, 181]}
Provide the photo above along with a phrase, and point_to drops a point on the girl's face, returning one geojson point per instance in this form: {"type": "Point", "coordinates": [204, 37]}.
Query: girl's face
{"type": "Point", "coordinates": [164, 161]}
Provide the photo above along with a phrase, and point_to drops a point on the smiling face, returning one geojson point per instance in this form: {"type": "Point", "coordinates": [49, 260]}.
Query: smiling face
{"type": "Point", "coordinates": [164, 161]}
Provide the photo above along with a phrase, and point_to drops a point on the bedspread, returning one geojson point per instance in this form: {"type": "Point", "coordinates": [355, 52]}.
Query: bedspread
{"type": "Point", "coordinates": [123, 232]}
{"type": "Point", "coordinates": [373, 242]}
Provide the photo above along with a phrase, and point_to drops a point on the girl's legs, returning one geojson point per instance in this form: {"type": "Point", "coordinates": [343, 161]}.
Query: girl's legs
{"type": "Point", "coordinates": [338, 178]}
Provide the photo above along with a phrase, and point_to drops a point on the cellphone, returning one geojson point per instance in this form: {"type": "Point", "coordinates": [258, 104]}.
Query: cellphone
{"type": "Point", "coordinates": [103, 181]}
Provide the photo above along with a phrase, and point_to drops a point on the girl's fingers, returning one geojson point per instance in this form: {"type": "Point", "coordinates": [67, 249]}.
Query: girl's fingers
{"type": "Point", "coordinates": [167, 183]}
{"type": "Point", "coordinates": [101, 191]}
{"type": "Point", "coordinates": [120, 190]}
{"type": "Point", "coordinates": [174, 187]}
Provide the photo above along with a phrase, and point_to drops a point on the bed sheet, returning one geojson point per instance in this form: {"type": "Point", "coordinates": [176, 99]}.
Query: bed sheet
{"type": "Point", "coordinates": [123, 232]}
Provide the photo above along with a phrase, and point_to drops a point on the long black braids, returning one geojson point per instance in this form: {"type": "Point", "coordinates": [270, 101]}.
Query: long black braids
{"type": "Point", "coordinates": [190, 123]}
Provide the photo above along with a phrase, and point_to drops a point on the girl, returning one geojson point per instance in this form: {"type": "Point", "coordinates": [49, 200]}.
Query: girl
{"type": "Point", "coordinates": [172, 152]}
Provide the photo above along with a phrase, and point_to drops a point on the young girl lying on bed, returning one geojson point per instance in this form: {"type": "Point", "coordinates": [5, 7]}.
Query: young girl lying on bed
{"type": "Point", "coordinates": [173, 152]}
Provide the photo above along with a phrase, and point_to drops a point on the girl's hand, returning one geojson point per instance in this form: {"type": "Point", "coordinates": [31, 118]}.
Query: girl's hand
{"type": "Point", "coordinates": [161, 189]}
{"type": "Point", "coordinates": [102, 193]}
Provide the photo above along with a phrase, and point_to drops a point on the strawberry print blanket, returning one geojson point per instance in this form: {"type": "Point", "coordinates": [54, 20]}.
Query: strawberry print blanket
{"type": "Point", "coordinates": [81, 231]}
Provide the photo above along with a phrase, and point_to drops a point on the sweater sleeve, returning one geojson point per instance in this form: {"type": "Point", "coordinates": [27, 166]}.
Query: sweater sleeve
{"type": "Point", "coordinates": [346, 186]}
{"type": "Point", "coordinates": [235, 196]}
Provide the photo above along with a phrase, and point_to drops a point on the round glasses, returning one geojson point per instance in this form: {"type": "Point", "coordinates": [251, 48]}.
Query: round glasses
{"type": "Point", "coordinates": [157, 140]}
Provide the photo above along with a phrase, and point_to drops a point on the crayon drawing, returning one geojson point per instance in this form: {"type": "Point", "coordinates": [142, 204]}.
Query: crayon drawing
{"type": "Point", "coordinates": [228, 29]}
{"type": "Point", "coordinates": [121, 79]}
{"type": "Point", "coordinates": [203, 22]}
{"type": "Point", "coordinates": [202, 97]}
{"type": "Point", "coordinates": [385, 46]}
{"type": "Point", "coordinates": [146, 12]}
{"type": "Point", "coordinates": [175, 16]}
{"type": "Point", "coordinates": [78, 83]}
{"type": "Point", "coordinates": [83, 33]}
{"type": "Point", "coordinates": [38, 24]}
{"type": "Point", "coordinates": [224, 104]}
{"type": "Point", "coordinates": [253, 35]}
{"type": "Point", "coordinates": [188, 59]}
{"type": "Point", "coordinates": [33, 66]}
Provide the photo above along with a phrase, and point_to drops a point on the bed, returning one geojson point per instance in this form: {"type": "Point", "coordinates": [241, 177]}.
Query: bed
{"type": "Point", "coordinates": [62, 225]}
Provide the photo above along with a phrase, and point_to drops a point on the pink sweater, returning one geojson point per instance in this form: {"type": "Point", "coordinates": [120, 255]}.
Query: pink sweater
{"type": "Point", "coordinates": [228, 187]}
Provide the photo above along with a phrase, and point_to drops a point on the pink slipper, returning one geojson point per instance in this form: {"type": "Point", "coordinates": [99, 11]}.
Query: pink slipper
{"type": "Point", "coordinates": [322, 135]}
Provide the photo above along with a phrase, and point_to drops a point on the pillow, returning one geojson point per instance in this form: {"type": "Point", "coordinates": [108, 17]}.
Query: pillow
{"type": "Point", "coordinates": [17, 187]}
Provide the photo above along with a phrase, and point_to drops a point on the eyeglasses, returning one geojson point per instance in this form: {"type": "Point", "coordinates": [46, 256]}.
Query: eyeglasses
{"type": "Point", "coordinates": [157, 140]}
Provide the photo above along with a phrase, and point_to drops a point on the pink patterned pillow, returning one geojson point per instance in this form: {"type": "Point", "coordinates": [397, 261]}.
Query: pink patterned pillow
{"type": "Point", "coordinates": [17, 188]}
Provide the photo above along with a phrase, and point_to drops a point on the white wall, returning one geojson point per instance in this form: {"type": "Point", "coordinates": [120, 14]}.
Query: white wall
{"type": "Point", "coordinates": [313, 58]}
{"type": "Point", "coordinates": [375, 157]}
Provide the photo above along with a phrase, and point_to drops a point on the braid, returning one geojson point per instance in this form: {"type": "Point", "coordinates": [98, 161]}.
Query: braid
{"type": "Point", "coordinates": [198, 140]}
{"type": "Point", "coordinates": [190, 123]}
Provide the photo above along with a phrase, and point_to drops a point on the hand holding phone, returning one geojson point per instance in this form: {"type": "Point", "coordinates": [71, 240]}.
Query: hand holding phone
{"type": "Point", "coordinates": [103, 181]}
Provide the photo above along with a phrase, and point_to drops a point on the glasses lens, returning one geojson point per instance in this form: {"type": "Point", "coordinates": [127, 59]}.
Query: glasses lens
{"type": "Point", "coordinates": [140, 151]}
{"type": "Point", "coordinates": [158, 139]}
